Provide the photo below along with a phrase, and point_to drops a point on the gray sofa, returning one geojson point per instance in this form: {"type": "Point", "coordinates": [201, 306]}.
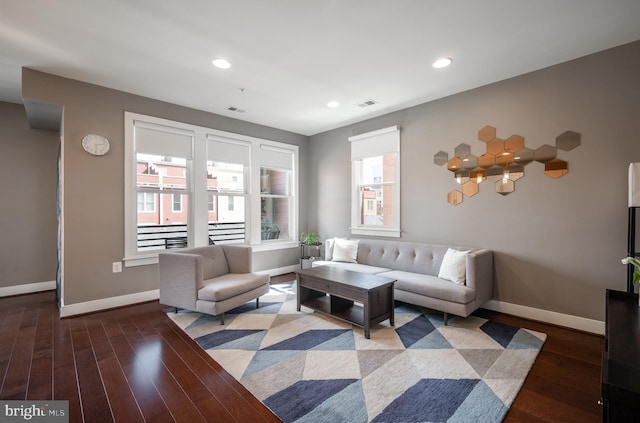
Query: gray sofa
{"type": "Point", "coordinates": [211, 279]}
{"type": "Point", "coordinates": [416, 267]}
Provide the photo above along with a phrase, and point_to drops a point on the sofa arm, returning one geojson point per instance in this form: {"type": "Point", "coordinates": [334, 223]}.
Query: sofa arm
{"type": "Point", "coordinates": [480, 274]}
{"type": "Point", "coordinates": [239, 258]}
{"type": "Point", "coordinates": [180, 277]}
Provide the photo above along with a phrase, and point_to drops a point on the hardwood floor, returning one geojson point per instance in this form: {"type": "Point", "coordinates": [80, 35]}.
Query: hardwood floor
{"type": "Point", "coordinates": [564, 383]}
{"type": "Point", "coordinates": [133, 365]}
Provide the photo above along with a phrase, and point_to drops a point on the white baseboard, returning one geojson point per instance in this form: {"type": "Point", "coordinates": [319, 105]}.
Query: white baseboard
{"type": "Point", "coordinates": [546, 316]}
{"type": "Point", "coordinates": [107, 303]}
{"type": "Point", "coordinates": [280, 270]}
{"type": "Point", "coordinates": [28, 288]}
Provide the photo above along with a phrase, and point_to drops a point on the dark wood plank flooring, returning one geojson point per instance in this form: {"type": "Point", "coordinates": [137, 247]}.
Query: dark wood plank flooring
{"type": "Point", "coordinates": [134, 365]}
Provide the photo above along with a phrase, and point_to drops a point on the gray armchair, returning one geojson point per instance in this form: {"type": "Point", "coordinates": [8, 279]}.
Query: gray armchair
{"type": "Point", "coordinates": [211, 279]}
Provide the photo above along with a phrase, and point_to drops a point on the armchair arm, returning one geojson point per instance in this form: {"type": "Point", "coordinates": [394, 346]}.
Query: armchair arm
{"type": "Point", "coordinates": [180, 277]}
{"type": "Point", "coordinates": [480, 274]}
{"type": "Point", "coordinates": [239, 258]}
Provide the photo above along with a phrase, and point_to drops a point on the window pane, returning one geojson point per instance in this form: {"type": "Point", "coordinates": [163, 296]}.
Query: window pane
{"type": "Point", "coordinates": [274, 182]}
{"type": "Point", "coordinates": [226, 219]}
{"type": "Point", "coordinates": [376, 205]}
{"type": "Point", "coordinates": [225, 177]}
{"type": "Point", "coordinates": [227, 208]}
{"type": "Point", "coordinates": [274, 218]}
{"type": "Point", "coordinates": [161, 173]}
{"type": "Point", "coordinates": [379, 169]}
{"type": "Point", "coordinates": [163, 228]}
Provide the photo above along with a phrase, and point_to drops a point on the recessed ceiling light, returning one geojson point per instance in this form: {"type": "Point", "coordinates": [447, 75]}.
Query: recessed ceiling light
{"type": "Point", "coordinates": [333, 104]}
{"type": "Point", "coordinates": [221, 63]}
{"type": "Point", "coordinates": [442, 62]}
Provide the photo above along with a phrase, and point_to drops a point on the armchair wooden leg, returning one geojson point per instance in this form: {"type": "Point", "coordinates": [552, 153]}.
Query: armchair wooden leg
{"type": "Point", "coordinates": [222, 319]}
{"type": "Point", "coordinates": [446, 318]}
{"type": "Point", "coordinates": [257, 302]}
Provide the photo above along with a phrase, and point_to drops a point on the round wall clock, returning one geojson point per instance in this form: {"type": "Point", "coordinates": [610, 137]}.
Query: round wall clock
{"type": "Point", "coordinates": [96, 144]}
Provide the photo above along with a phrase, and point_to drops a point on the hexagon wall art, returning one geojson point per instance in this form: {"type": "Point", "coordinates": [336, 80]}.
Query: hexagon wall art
{"type": "Point", "coordinates": [502, 163]}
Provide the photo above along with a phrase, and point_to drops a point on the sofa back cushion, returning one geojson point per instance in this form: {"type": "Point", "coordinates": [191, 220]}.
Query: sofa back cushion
{"type": "Point", "coordinates": [400, 255]}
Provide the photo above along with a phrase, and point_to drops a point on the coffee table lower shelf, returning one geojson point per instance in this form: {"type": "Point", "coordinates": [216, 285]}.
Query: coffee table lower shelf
{"type": "Point", "coordinates": [347, 312]}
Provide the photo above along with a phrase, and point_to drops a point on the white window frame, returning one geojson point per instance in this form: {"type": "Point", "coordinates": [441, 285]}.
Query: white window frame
{"type": "Point", "coordinates": [373, 144]}
{"type": "Point", "coordinates": [198, 201]}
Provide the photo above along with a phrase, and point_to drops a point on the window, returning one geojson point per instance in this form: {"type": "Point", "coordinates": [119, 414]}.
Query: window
{"type": "Point", "coordinates": [192, 186]}
{"type": "Point", "coordinates": [375, 163]}
{"type": "Point", "coordinates": [146, 202]}
{"type": "Point", "coordinates": [162, 159]}
{"type": "Point", "coordinates": [276, 200]}
{"type": "Point", "coordinates": [177, 203]}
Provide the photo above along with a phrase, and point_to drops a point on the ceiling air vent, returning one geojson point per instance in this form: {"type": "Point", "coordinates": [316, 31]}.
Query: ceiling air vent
{"type": "Point", "coordinates": [235, 109]}
{"type": "Point", "coordinates": [367, 103]}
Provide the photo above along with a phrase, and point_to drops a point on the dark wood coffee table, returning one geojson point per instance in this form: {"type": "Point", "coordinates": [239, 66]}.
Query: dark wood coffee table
{"type": "Point", "coordinates": [335, 292]}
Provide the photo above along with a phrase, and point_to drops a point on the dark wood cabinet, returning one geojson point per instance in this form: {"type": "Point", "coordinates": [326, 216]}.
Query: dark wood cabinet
{"type": "Point", "coordinates": [620, 380]}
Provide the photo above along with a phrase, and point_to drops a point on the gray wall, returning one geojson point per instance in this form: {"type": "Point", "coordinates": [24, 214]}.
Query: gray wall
{"type": "Point", "coordinates": [557, 242]}
{"type": "Point", "coordinates": [94, 186]}
{"type": "Point", "coordinates": [28, 224]}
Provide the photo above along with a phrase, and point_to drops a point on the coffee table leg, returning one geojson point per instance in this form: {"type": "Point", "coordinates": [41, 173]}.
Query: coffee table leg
{"type": "Point", "coordinates": [392, 307]}
{"type": "Point", "coordinates": [367, 315]}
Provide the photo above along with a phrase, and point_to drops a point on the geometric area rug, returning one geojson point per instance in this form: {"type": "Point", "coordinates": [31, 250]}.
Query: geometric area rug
{"type": "Point", "coordinates": [307, 367]}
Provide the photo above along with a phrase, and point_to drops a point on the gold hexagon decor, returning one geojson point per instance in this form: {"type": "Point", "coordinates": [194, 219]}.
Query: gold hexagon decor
{"type": "Point", "coordinates": [495, 146]}
{"type": "Point", "coordinates": [514, 143]}
{"type": "Point", "coordinates": [486, 160]}
{"type": "Point", "coordinates": [454, 197]}
{"type": "Point", "coordinates": [470, 188]}
{"type": "Point", "coordinates": [486, 134]}
{"type": "Point", "coordinates": [556, 168]}
{"type": "Point", "coordinates": [503, 162]}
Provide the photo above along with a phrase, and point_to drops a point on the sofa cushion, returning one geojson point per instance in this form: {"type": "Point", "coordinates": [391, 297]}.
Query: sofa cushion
{"type": "Point", "coordinates": [345, 250]}
{"type": "Point", "coordinates": [230, 285]}
{"type": "Point", "coordinates": [454, 266]}
{"type": "Point", "coordinates": [354, 267]}
{"type": "Point", "coordinates": [431, 286]}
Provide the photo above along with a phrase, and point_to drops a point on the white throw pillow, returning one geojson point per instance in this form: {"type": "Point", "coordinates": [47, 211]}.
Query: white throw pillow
{"type": "Point", "coordinates": [345, 250]}
{"type": "Point", "coordinates": [454, 266]}
{"type": "Point", "coordinates": [328, 248]}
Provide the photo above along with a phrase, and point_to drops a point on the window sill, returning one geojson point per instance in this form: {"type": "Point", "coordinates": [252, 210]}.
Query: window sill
{"type": "Point", "coordinates": [269, 246]}
{"type": "Point", "coordinates": [145, 260]}
{"type": "Point", "coordinates": [141, 260]}
{"type": "Point", "coordinates": [386, 232]}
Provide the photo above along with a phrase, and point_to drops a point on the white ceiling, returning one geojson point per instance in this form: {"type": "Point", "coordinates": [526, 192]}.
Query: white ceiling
{"type": "Point", "coordinates": [291, 57]}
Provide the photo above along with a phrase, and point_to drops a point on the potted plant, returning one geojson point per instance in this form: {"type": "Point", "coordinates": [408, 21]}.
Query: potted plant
{"type": "Point", "coordinates": [636, 270]}
{"type": "Point", "coordinates": [310, 238]}
{"type": "Point", "coordinates": [308, 241]}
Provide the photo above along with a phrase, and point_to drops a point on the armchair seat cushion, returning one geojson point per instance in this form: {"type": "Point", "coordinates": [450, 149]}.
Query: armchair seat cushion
{"type": "Point", "coordinates": [230, 285]}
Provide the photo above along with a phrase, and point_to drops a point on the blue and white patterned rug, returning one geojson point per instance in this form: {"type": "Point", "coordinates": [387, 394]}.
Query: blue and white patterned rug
{"type": "Point", "coordinates": [307, 367]}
